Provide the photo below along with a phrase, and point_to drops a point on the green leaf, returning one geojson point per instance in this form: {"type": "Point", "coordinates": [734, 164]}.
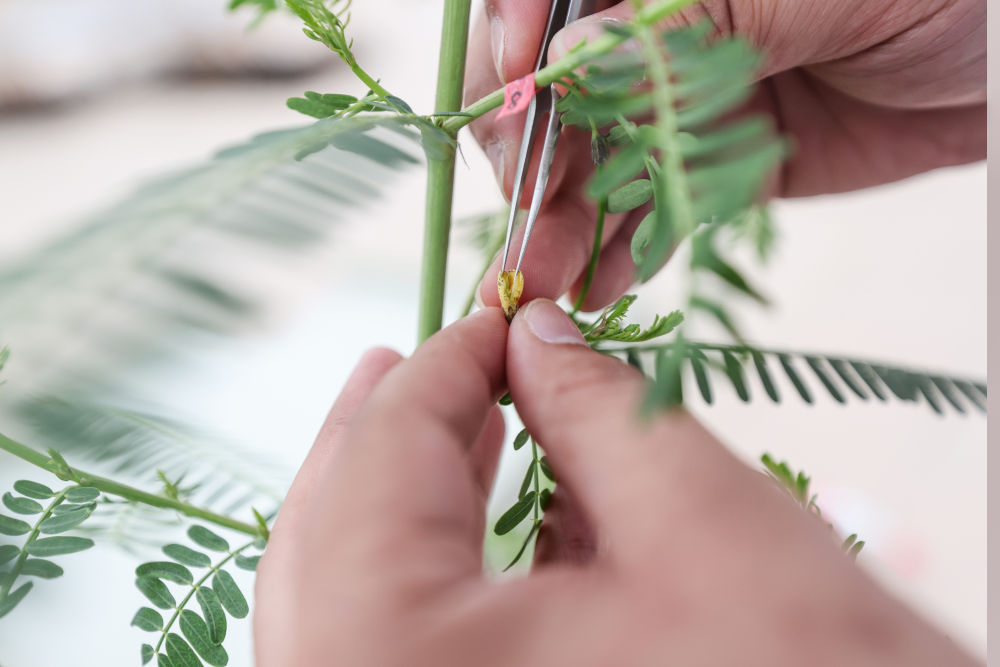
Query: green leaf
{"type": "Point", "coordinates": [515, 515]}
{"type": "Point", "coordinates": [165, 570]}
{"type": "Point", "coordinates": [147, 619]}
{"type": "Point", "coordinates": [543, 463]}
{"type": "Point", "coordinates": [505, 399]}
{"type": "Point", "coordinates": [8, 603]}
{"type": "Point", "coordinates": [524, 545]}
{"type": "Point", "coordinates": [945, 389]}
{"type": "Point", "coordinates": [520, 439]}
{"type": "Point", "coordinates": [206, 538]}
{"type": "Point", "coordinates": [970, 393]}
{"type": "Point", "coordinates": [544, 498]}
{"type": "Point", "coordinates": [196, 632]}
{"type": "Point", "coordinates": [187, 556]}
{"type": "Point", "coordinates": [8, 552]}
{"type": "Point", "coordinates": [800, 387]}
{"type": "Point", "coordinates": [831, 388]}
{"type": "Point", "coordinates": [57, 546]}
{"type": "Point", "coordinates": [642, 237]}
{"type": "Point", "coordinates": [147, 653]}
{"type": "Point", "coordinates": [63, 522]}
{"type": "Point", "coordinates": [529, 477]}
{"type": "Point", "coordinates": [765, 376]}
{"type": "Point", "coordinates": [734, 369]}
{"type": "Point", "coordinates": [156, 592]}
{"type": "Point", "coordinates": [66, 508]}
{"type": "Point", "coordinates": [83, 494]}
{"type": "Point", "coordinates": [701, 377]}
{"type": "Point", "coordinates": [33, 489]}
{"type": "Point", "coordinates": [718, 312]}
{"type": "Point", "coordinates": [856, 549]}
{"type": "Point", "coordinates": [866, 373]}
{"type": "Point", "coordinates": [20, 505]}
{"type": "Point", "coordinates": [630, 196]}
{"type": "Point", "coordinates": [320, 106]}
{"type": "Point", "coordinates": [230, 595]}
{"type": "Point", "coordinates": [927, 391]}
{"type": "Point", "coordinates": [840, 367]}
{"type": "Point", "coordinates": [211, 608]}
{"type": "Point", "coordinates": [11, 526]}
{"type": "Point", "coordinates": [44, 569]}
{"type": "Point", "coordinates": [181, 655]}
{"type": "Point", "coordinates": [247, 562]}
{"type": "Point", "coordinates": [163, 661]}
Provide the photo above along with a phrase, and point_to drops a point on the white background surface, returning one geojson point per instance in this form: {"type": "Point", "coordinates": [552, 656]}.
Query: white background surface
{"type": "Point", "coordinates": [896, 274]}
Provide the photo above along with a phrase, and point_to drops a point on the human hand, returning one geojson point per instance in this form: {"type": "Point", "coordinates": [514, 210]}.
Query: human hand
{"type": "Point", "coordinates": [871, 91]}
{"type": "Point", "coordinates": [670, 551]}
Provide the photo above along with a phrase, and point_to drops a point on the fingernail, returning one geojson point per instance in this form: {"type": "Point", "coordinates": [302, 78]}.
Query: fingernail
{"type": "Point", "coordinates": [588, 28]}
{"type": "Point", "coordinates": [498, 37]}
{"type": "Point", "coordinates": [549, 323]}
{"type": "Point", "coordinates": [478, 297]}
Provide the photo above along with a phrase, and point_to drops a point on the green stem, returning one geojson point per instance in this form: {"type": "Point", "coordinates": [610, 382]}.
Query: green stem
{"type": "Point", "coordinates": [538, 471]}
{"type": "Point", "coordinates": [595, 253]}
{"type": "Point", "coordinates": [114, 488]}
{"type": "Point", "coordinates": [441, 172]}
{"type": "Point", "coordinates": [194, 589]}
{"type": "Point", "coordinates": [32, 536]}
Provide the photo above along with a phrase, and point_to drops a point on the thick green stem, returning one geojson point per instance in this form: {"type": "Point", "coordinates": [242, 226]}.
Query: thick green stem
{"type": "Point", "coordinates": [441, 172]}
{"type": "Point", "coordinates": [122, 490]}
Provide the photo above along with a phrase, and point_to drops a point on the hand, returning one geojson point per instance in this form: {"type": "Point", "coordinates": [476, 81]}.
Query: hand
{"type": "Point", "coordinates": [871, 91]}
{"type": "Point", "coordinates": [670, 551]}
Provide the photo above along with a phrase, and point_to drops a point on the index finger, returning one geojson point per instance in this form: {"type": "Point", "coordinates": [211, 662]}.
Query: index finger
{"type": "Point", "coordinates": [404, 464]}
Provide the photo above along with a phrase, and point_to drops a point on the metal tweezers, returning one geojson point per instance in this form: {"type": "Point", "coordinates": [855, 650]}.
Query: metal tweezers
{"type": "Point", "coordinates": [562, 13]}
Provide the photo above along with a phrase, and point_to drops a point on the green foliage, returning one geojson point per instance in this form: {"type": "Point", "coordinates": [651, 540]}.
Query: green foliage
{"type": "Point", "coordinates": [152, 448]}
{"type": "Point", "coordinates": [797, 485]}
{"type": "Point", "coordinates": [860, 379]}
{"type": "Point", "coordinates": [326, 22]}
{"type": "Point", "coordinates": [608, 326]}
{"type": "Point", "coordinates": [532, 498]}
{"type": "Point", "coordinates": [65, 510]}
{"type": "Point", "coordinates": [217, 594]}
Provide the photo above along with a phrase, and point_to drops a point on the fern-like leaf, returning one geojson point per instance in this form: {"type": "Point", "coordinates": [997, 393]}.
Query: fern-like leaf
{"type": "Point", "coordinates": [851, 377]}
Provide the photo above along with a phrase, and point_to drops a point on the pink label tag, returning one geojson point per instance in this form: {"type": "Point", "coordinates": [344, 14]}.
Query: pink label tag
{"type": "Point", "coordinates": [517, 95]}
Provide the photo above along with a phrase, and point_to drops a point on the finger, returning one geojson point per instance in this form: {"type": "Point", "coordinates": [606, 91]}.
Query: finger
{"type": "Point", "coordinates": [485, 453]}
{"type": "Point", "coordinates": [366, 375]}
{"type": "Point", "coordinates": [405, 462]}
{"type": "Point", "coordinates": [583, 409]}
{"type": "Point", "coordinates": [566, 536]}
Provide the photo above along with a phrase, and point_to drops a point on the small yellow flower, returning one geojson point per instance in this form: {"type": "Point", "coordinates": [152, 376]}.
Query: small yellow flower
{"type": "Point", "coordinates": [510, 285]}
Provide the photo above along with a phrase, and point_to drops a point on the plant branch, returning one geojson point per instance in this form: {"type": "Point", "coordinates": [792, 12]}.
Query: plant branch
{"type": "Point", "coordinates": [13, 573]}
{"type": "Point", "coordinates": [114, 488]}
{"type": "Point", "coordinates": [648, 15]}
{"type": "Point", "coordinates": [441, 171]}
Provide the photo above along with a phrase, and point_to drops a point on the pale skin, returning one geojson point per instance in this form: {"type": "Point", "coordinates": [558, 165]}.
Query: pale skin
{"type": "Point", "coordinates": [671, 552]}
{"type": "Point", "coordinates": [660, 547]}
{"type": "Point", "coordinates": [870, 91]}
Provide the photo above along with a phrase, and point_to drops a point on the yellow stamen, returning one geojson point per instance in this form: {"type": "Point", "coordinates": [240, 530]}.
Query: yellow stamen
{"type": "Point", "coordinates": [510, 285]}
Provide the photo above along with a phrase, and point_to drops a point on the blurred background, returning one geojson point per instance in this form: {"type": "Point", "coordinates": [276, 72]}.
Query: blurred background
{"type": "Point", "coordinates": [103, 297]}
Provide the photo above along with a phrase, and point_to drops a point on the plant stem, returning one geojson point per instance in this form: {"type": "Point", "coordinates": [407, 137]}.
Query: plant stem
{"type": "Point", "coordinates": [114, 488]}
{"type": "Point", "coordinates": [441, 172]}
{"type": "Point", "coordinates": [595, 254]}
